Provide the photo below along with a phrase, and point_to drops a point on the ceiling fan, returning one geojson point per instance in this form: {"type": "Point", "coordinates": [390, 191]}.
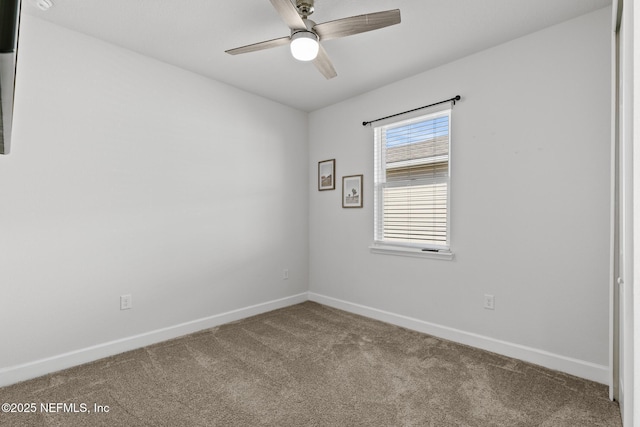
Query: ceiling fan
{"type": "Point", "coordinates": [306, 35]}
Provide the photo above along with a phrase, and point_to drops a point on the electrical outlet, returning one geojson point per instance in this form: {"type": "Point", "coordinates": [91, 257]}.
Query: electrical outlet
{"type": "Point", "coordinates": [126, 302]}
{"type": "Point", "coordinates": [285, 274]}
{"type": "Point", "coordinates": [489, 302]}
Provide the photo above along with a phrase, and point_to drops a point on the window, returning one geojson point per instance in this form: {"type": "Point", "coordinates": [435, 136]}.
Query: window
{"type": "Point", "coordinates": [411, 183]}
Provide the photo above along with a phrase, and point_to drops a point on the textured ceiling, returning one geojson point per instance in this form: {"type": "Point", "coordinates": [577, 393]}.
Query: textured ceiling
{"type": "Point", "coordinates": [193, 34]}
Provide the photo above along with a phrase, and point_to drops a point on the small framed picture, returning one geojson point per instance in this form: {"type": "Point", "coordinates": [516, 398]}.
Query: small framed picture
{"type": "Point", "coordinates": [352, 191]}
{"type": "Point", "coordinates": [327, 175]}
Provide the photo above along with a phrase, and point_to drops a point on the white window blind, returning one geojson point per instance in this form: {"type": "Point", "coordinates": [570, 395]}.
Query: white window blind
{"type": "Point", "coordinates": [411, 182]}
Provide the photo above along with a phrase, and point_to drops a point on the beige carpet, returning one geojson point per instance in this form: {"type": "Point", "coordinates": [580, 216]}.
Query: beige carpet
{"type": "Point", "coordinates": [310, 365]}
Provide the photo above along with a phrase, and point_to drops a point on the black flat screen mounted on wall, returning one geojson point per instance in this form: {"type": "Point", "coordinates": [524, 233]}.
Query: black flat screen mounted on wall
{"type": "Point", "coordinates": [9, 24]}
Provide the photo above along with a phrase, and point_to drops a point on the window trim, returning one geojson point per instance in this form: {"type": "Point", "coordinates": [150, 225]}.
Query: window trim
{"type": "Point", "coordinates": [409, 251]}
{"type": "Point", "coordinates": [418, 250]}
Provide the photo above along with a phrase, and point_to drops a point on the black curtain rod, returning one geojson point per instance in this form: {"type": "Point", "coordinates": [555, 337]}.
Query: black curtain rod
{"type": "Point", "coordinates": [454, 99]}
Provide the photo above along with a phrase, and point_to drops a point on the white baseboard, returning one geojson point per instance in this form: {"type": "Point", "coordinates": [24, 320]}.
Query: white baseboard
{"type": "Point", "coordinates": [579, 368]}
{"type": "Point", "coordinates": [26, 371]}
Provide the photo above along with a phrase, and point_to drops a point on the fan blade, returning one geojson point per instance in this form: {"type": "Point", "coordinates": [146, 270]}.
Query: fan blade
{"type": "Point", "coordinates": [357, 24]}
{"type": "Point", "coordinates": [289, 14]}
{"type": "Point", "coordinates": [324, 65]}
{"type": "Point", "coordinates": [259, 46]}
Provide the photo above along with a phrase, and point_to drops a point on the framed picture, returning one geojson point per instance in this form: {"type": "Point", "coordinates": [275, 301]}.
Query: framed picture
{"type": "Point", "coordinates": [327, 175]}
{"type": "Point", "coordinates": [352, 191]}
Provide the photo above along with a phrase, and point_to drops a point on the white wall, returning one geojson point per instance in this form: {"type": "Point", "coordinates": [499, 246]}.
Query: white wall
{"type": "Point", "coordinates": [130, 176]}
{"type": "Point", "coordinates": [530, 200]}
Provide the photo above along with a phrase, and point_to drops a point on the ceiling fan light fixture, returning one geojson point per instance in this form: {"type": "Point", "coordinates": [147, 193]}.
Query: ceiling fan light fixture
{"type": "Point", "coordinates": [304, 45]}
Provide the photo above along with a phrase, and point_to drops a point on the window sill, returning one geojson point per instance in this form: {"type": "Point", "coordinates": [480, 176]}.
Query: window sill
{"type": "Point", "coordinates": [410, 252]}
